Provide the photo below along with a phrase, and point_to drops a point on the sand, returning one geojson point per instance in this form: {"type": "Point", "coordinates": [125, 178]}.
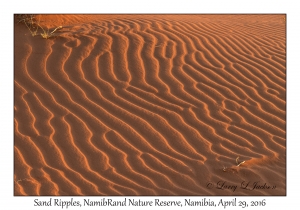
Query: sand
{"type": "Point", "coordinates": [151, 105]}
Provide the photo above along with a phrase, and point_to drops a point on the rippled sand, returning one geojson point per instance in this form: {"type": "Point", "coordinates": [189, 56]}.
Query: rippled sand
{"type": "Point", "coordinates": [150, 105]}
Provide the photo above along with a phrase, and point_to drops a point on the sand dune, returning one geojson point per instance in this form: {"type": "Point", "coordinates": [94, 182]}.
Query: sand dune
{"type": "Point", "coordinates": [151, 105]}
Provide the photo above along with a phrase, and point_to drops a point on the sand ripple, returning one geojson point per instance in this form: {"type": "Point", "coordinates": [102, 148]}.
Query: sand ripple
{"type": "Point", "coordinates": [151, 105]}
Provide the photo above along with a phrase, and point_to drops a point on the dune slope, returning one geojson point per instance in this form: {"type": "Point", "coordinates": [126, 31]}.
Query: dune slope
{"type": "Point", "coordinates": [151, 105]}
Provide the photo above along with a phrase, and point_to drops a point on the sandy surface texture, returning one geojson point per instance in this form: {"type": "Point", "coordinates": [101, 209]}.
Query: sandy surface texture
{"type": "Point", "coordinates": [150, 105]}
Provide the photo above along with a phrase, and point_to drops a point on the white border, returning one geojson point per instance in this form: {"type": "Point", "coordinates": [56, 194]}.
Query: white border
{"type": "Point", "coordinates": [8, 201]}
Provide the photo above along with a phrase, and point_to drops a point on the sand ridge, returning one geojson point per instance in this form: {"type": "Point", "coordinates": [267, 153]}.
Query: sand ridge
{"type": "Point", "coordinates": [150, 105]}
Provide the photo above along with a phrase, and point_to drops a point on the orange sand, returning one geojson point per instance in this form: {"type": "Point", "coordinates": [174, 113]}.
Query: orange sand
{"type": "Point", "coordinates": [150, 105]}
